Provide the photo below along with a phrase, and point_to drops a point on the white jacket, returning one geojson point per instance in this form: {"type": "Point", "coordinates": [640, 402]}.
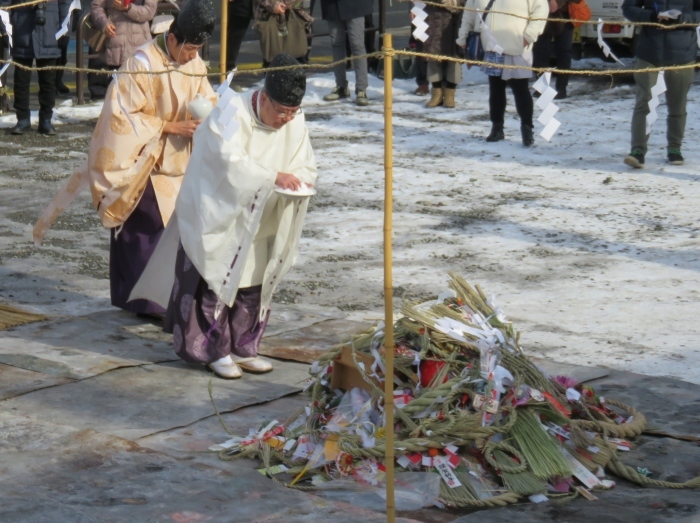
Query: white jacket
{"type": "Point", "coordinates": [508, 31]}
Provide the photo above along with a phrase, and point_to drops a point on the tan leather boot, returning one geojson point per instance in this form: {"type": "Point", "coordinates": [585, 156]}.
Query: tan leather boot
{"type": "Point", "coordinates": [449, 98]}
{"type": "Point", "coordinates": [435, 97]}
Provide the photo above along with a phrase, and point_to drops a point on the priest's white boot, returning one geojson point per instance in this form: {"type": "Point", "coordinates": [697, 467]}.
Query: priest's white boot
{"type": "Point", "coordinates": [254, 365]}
{"type": "Point", "coordinates": [226, 368]}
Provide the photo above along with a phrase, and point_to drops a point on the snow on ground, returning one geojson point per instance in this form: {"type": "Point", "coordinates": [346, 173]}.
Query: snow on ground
{"type": "Point", "coordinates": [596, 263]}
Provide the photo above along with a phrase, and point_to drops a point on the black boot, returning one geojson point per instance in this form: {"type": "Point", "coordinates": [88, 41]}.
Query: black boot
{"type": "Point", "coordinates": [528, 135]}
{"type": "Point", "coordinates": [46, 128]}
{"type": "Point", "coordinates": [22, 127]}
{"type": "Point", "coordinates": [496, 132]}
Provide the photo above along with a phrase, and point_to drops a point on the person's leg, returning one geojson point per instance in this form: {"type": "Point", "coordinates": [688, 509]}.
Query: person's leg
{"type": "Point", "coordinates": [563, 44]}
{"type": "Point", "coordinates": [22, 81]}
{"type": "Point", "coordinates": [356, 34]}
{"type": "Point", "coordinates": [677, 87]}
{"type": "Point", "coordinates": [421, 71]}
{"type": "Point", "coordinates": [246, 327]}
{"type": "Point", "coordinates": [129, 252]}
{"type": "Point", "coordinates": [497, 100]}
{"type": "Point", "coordinates": [525, 107]}
{"type": "Point", "coordinates": [453, 75]}
{"type": "Point", "coordinates": [337, 33]}
{"type": "Point", "coordinates": [47, 94]}
{"type": "Point", "coordinates": [643, 84]}
{"type": "Point", "coordinates": [523, 99]}
{"type": "Point", "coordinates": [542, 49]}
{"type": "Point", "coordinates": [435, 79]}
{"type": "Point", "coordinates": [62, 62]}
{"type": "Point", "coordinates": [197, 337]}
{"type": "Point", "coordinates": [237, 27]}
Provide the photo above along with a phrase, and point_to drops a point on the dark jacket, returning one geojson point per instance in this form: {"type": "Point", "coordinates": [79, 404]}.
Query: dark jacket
{"type": "Point", "coordinates": [241, 8]}
{"type": "Point", "coordinates": [344, 10]}
{"type": "Point", "coordinates": [30, 41]}
{"type": "Point", "coordinates": [662, 47]}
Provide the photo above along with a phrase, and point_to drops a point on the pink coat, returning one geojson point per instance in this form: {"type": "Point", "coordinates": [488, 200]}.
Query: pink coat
{"type": "Point", "coordinates": [132, 28]}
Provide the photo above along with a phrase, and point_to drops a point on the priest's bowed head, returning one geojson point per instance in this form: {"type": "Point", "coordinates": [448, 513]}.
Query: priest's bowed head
{"type": "Point", "coordinates": [188, 32]}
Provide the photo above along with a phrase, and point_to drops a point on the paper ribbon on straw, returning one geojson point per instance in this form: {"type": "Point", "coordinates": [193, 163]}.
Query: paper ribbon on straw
{"type": "Point", "coordinates": [605, 47]}
{"type": "Point", "coordinates": [226, 84]}
{"type": "Point", "coordinates": [419, 21]}
{"type": "Point", "coordinates": [549, 109]}
{"type": "Point", "coordinates": [2, 71]}
{"type": "Point", "coordinates": [697, 32]}
{"type": "Point", "coordinates": [5, 17]}
{"type": "Point", "coordinates": [659, 88]}
{"type": "Point", "coordinates": [229, 125]}
{"type": "Point", "coordinates": [75, 4]}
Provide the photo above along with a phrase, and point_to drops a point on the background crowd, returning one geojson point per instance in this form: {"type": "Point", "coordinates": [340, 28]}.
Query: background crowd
{"type": "Point", "coordinates": [285, 26]}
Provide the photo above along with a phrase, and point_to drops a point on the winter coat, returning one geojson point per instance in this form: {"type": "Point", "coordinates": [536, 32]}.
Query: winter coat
{"type": "Point", "coordinates": [241, 8]}
{"type": "Point", "coordinates": [662, 47]}
{"type": "Point", "coordinates": [508, 31]}
{"type": "Point", "coordinates": [30, 40]}
{"type": "Point", "coordinates": [344, 10]}
{"type": "Point", "coordinates": [132, 28]}
{"type": "Point", "coordinates": [263, 10]}
{"type": "Point", "coordinates": [443, 28]}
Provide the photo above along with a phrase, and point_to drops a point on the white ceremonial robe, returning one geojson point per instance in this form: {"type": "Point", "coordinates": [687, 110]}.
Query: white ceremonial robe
{"type": "Point", "coordinates": [233, 226]}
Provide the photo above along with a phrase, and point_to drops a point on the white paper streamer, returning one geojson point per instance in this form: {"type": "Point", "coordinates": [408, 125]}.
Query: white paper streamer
{"type": "Point", "coordinates": [487, 39]}
{"type": "Point", "coordinates": [2, 71]}
{"type": "Point", "coordinates": [605, 47]}
{"type": "Point", "coordinates": [697, 32]}
{"type": "Point", "coordinates": [226, 84]}
{"type": "Point", "coordinates": [659, 88]}
{"type": "Point", "coordinates": [5, 17]}
{"type": "Point", "coordinates": [75, 4]}
{"type": "Point", "coordinates": [549, 109]}
{"type": "Point", "coordinates": [420, 15]}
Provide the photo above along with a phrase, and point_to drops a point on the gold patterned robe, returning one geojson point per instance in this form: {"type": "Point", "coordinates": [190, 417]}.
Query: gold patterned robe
{"type": "Point", "coordinates": [128, 144]}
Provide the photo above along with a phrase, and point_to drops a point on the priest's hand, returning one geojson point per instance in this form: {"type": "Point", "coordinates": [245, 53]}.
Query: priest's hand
{"type": "Point", "coordinates": [287, 181]}
{"type": "Point", "coordinates": [185, 128]}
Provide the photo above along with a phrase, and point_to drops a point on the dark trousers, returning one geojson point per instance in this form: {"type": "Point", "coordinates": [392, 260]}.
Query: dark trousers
{"type": "Point", "coordinates": [47, 88]}
{"type": "Point", "coordinates": [563, 41]}
{"type": "Point", "coordinates": [497, 99]}
{"type": "Point", "coordinates": [237, 27]}
{"type": "Point", "coordinates": [61, 62]}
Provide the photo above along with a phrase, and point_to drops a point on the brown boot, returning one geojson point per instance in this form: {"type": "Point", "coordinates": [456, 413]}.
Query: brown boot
{"type": "Point", "coordinates": [435, 97]}
{"type": "Point", "coordinates": [449, 98]}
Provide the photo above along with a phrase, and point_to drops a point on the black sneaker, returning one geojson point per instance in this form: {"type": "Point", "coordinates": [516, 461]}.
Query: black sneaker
{"type": "Point", "coordinates": [675, 157]}
{"type": "Point", "coordinates": [635, 158]}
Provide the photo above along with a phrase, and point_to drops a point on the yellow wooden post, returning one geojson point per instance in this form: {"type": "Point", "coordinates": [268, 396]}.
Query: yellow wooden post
{"type": "Point", "coordinates": [224, 40]}
{"type": "Point", "coordinates": [388, 284]}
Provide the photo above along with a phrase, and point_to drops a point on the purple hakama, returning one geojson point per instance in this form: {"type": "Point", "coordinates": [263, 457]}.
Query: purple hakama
{"type": "Point", "coordinates": [190, 318]}
{"type": "Point", "coordinates": [130, 250]}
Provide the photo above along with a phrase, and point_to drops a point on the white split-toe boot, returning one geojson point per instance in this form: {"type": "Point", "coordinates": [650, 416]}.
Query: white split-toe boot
{"type": "Point", "coordinates": [255, 365]}
{"type": "Point", "coordinates": [226, 368]}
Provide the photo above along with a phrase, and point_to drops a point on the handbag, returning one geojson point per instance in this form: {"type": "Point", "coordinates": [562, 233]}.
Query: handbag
{"type": "Point", "coordinates": [293, 43]}
{"type": "Point", "coordinates": [474, 50]}
{"type": "Point", "coordinates": [404, 67]}
{"type": "Point", "coordinates": [580, 12]}
{"type": "Point", "coordinates": [95, 38]}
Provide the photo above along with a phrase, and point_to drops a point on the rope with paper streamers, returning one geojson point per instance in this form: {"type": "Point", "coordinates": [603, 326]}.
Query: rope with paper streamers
{"type": "Point", "coordinates": [451, 8]}
{"type": "Point", "coordinates": [377, 54]}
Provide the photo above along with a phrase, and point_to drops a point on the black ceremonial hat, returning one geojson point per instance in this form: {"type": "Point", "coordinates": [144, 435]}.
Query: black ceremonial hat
{"type": "Point", "coordinates": [285, 87]}
{"type": "Point", "coordinates": [196, 21]}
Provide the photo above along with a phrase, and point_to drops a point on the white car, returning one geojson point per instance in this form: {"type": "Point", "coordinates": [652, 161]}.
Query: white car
{"type": "Point", "coordinates": [614, 28]}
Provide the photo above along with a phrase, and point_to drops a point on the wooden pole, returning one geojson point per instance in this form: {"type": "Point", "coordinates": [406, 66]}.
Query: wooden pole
{"type": "Point", "coordinates": [224, 40]}
{"type": "Point", "coordinates": [388, 284]}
